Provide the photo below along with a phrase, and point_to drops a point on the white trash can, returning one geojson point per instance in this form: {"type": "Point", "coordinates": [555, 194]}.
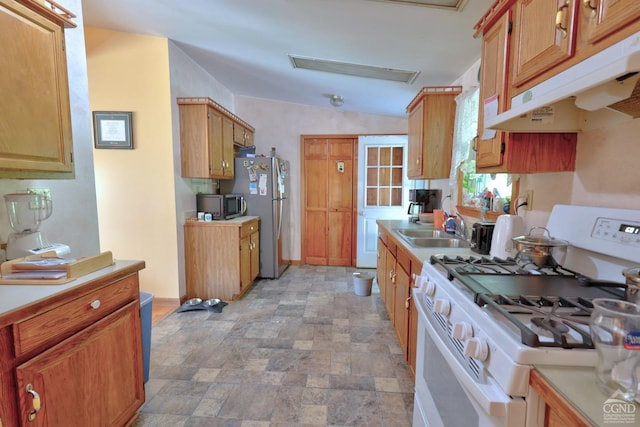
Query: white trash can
{"type": "Point", "coordinates": [362, 283]}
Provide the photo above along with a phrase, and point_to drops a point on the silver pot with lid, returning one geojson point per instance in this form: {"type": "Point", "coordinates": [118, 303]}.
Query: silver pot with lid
{"type": "Point", "coordinates": [537, 248]}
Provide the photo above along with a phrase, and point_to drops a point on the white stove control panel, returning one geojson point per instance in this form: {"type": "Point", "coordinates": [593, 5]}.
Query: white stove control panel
{"type": "Point", "coordinates": [608, 231]}
{"type": "Point", "coordinates": [625, 232]}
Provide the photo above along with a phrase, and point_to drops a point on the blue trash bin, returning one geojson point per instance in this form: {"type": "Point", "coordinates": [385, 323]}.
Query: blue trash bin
{"type": "Point", "coordinates": [146, 300]}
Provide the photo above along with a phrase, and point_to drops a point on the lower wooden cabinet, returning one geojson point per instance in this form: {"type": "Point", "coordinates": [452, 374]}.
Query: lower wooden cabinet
{"type": "Point", "coordinates": [75, 358]}
{"type": "Point", "coordinates": [558, 412]}
{"type": "Point", "coordinates": [221, 257]}
{"type": "Point", "coordinates": [250, 254]}
{"type": "Point", "coordinates": [93, 378]}
{"type": "Point", "coordinates": [395, 268]}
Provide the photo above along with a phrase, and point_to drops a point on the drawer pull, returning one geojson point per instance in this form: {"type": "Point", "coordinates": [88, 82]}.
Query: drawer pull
{"type": "Point", "coordinates": [35, 402]}
{"type": "Point", "coordinates": [95, 304]}
{"type": "Point", "coordinates": [560, 19]}
{"type": "Point", "coordinates": [593, 10]}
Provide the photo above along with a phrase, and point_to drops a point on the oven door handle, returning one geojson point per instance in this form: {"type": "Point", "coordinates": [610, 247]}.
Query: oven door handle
{"type": "Point", "coordinates": [490, 396]}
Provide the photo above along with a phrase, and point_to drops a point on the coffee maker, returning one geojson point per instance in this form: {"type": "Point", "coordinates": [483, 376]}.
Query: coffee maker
{"type": "Point", "coordinates": [423, 201]}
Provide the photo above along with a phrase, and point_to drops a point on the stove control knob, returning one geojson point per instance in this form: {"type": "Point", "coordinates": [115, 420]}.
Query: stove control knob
{"type": "Point", "coordinates": [461, 331]}
{"type": "Point", "coordinates": [418, 281]}
{"type": "Point", "coordinates": [476, 348]}
{"type": "Point", "coordinates": [429, 287]}
{"type": "Point", "coordinates": [442, 306]}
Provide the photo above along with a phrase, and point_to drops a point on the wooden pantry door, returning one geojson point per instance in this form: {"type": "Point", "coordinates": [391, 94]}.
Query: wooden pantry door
{"type": "Point", "coordinates": [328, 204]}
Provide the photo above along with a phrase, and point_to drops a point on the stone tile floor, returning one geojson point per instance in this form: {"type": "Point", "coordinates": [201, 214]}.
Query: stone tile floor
{"type": "Point", "coordinates": [303, 350]}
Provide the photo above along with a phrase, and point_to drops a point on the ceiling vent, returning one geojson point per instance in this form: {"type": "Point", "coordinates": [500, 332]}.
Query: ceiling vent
{"type": "Point", "coordinates": [455, 5]}
{"type": "Point", "coordinates": [350, 69]}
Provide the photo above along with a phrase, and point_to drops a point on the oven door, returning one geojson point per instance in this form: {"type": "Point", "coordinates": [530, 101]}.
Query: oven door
{"type": "Point", "coordinates": [447, 395]}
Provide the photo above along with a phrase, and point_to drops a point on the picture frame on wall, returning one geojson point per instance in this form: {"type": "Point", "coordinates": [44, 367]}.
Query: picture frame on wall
{"type": "Point", "coordinates": [113, 129]}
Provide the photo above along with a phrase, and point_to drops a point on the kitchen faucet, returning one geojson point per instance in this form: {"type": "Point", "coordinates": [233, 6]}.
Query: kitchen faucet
{"type": "Point", "coordinates": [460, 229]}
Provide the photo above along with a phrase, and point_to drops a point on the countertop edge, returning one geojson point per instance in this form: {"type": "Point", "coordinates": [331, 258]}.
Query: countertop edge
{"type": "Point", "coordinates": [16, 300]}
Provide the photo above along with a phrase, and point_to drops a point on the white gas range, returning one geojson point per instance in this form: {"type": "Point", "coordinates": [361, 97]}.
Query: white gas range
{"type": "Point", "coordinates": [484, 322]}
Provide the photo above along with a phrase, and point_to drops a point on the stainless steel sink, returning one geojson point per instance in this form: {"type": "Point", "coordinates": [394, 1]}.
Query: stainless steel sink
{"type": "Point", "coordinates": [438, 242]}
{"type": "Point", "coordinates": [427, 232]}
{"type": "Point", "coordinates": [431, 238]}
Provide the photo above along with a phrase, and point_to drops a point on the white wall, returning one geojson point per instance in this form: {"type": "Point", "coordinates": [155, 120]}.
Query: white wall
{"type": "Point", "coordinates": [135, 188]}
{"type": "Point", "coordinates": [188, 79]}
{"type": "Point", "coordinates": [280, 125]}
{"type": "Point", "coordinates": [74, 220]}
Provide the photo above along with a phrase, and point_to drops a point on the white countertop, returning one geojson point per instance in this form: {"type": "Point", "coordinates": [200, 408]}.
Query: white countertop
{"type": "Point", "coordinates": [578, 386]}
{"type": "Point", "coordinates": [233, 222]}
{"type": "Point", "coordinates": [421, 253]}
{"type": "Point", "coordinates": [13, 297]}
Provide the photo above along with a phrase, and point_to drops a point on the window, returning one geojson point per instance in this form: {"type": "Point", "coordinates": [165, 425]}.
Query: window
{"type": "Point", "coordinates": [478, 195]}
{"type": "Point", "coordinates": [489, 192]}
{"type": "Point", "coordinates": [384, 168]}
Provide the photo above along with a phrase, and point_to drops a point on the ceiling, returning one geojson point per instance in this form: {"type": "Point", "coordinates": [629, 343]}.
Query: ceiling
{"type": "Point", "coordinates": [246, 44]}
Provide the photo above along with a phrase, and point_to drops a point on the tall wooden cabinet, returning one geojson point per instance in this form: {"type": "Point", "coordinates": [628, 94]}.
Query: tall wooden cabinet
{"type": "Point", "coordinates": [431, 122]}
{"type": "Point", "coordinates": [222, 258]}
{"type": "Point", "coordinates": [35, 116]}
{"type": "Point", "coordinates": [75, 358]}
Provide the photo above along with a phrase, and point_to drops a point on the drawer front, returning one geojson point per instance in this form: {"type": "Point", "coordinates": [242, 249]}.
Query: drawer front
{"type": "Point", "coordinates": [248, 228]}
{"type": "Point", "coordinates": [60, 322]}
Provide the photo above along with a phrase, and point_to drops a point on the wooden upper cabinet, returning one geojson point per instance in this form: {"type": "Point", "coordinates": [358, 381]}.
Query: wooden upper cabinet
{"type": "Point", "coordinates": [242, 136]}
{"type": "Point", "coordinates": [207, 132]}
{"type": "Point", "coordinates": [228, 164]}
{"type": "Point", "coordinates": [506, 151]}
{"type": "Point", "coordinates": [607, 16]}
{"type": "Point", "coordinates": [544, 35]}
{"type": "Point", "coordinates": [431, 121]}
{"type": "Point", "coordinates": [493, 81]}
{"type": "Point", "coordinates": [35, 115]}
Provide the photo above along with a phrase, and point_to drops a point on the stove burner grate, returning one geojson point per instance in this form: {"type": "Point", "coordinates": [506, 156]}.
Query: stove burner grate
{"type": "Point", "coordinates": [518, 290]}
{"type": "Point", "coordinates": [562, 327]}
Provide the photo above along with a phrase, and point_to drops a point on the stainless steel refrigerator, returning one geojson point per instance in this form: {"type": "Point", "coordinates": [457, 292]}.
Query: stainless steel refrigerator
{"type": "Point", "coordinates": [264, 183]}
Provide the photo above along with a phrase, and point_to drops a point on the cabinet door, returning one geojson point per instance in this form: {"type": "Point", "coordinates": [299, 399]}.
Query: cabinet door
{"type": "Point", "coordinates": [248, 142]}
{"type": "Point", "coordinates": [255, 255]}
{"type": "Point", "coordinates": [607, 16]}
{"type": "Point", "coordinates": [401, 308]}
{"type": "Point", "coordinates": [35, 118]}
{"type": "Point", "coordinates": [545, 32]}
{"type": "Point", "coordinates": [94, 378]}
{"type": "Point", "coordinates": [390, 288]}
{"type": "Point", "coordinates": [214, 137]}
{"type": "Point", "coordinates": [228, 164]}
{"type": "Point", "coordinates": [381, 266]}
{"type": "Point", "coordinates": [416, 130]}
{"type": "Point", "coordinates": [245, 262]}
{"type": "Point", "coordinates": [493, 73]}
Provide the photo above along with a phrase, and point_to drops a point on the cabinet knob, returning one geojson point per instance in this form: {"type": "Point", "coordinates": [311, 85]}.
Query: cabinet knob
{"type": "Point", "coordinates": [36, 404]}
{"type": "Point", "coordinates": [95, 304]}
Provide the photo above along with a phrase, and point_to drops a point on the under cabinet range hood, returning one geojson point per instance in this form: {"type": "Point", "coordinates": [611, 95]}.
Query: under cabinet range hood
{"type": "Point", "coordinates": [608, 80]}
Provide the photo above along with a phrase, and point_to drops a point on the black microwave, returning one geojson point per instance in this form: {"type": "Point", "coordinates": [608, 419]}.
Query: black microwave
{"type": "Point", "coordinates": [220, 206]}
